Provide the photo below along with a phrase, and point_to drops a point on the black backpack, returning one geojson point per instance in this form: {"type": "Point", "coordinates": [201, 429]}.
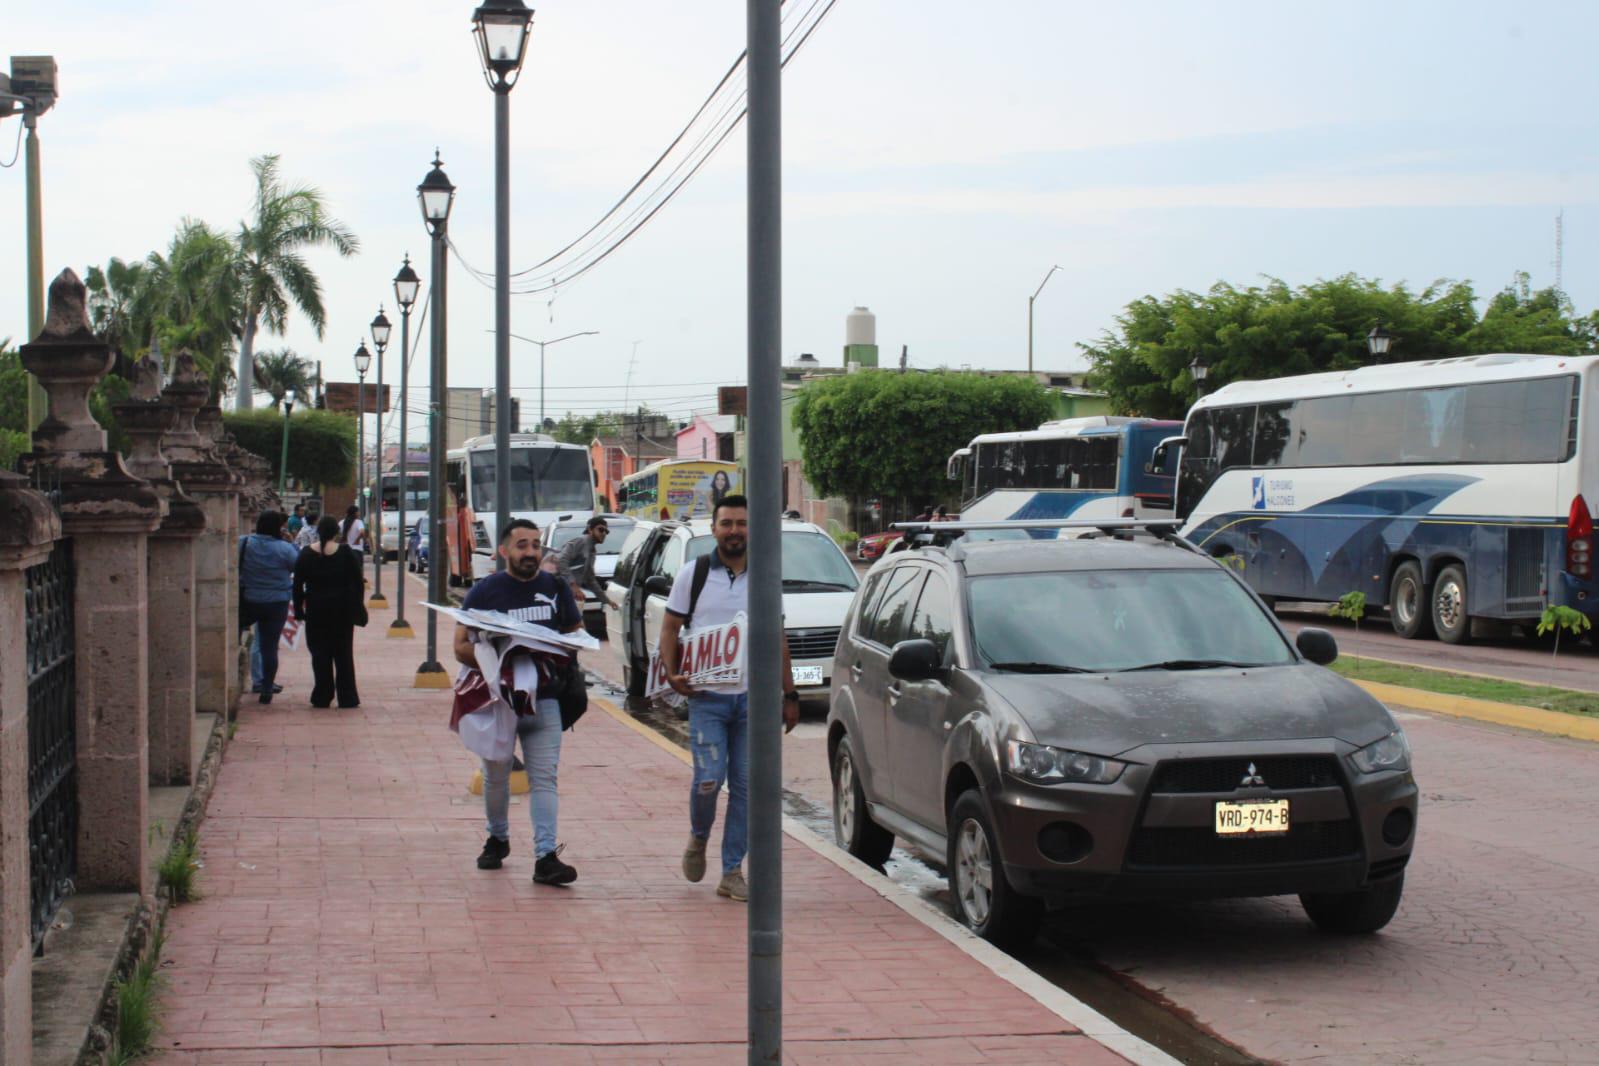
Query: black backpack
{"type": "Point", "coordinates": [702, 573]}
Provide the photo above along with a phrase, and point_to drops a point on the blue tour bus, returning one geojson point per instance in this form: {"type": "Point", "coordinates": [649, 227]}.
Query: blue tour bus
{"type": "Point", "coordinates": [1446, 490]}
{"type": "Point", "coordinates": [1093, 467]}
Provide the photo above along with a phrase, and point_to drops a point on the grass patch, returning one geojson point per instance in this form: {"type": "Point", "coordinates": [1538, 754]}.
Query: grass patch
{"type": "Point", "coordinates": [1585, 704]}
{"type": "Point", "coordinates": [177, 871]}
{"type": "Point", "coordinates": [137, 1018]}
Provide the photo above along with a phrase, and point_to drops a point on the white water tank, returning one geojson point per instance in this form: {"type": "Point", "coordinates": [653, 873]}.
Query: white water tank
{"type": "Point", "coordinates": [860, 327]}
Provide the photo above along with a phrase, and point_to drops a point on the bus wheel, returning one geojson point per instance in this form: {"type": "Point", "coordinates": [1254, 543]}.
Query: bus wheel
{"type": "Point", "coordinates": [1449, 616]}
{"type": "Point", "coordinates": [1408, 609]}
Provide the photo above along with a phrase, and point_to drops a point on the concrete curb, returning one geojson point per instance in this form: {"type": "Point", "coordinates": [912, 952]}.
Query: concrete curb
{"type": "Point", "coordinates": [1555, 723]}
{"type": "Point", "coordinates": [1057, 1001]}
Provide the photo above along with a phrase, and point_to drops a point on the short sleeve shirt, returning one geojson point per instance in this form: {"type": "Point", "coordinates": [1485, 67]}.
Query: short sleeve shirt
{"type": "Point", "coordinates": [725, 594]}
{"type": "Point", "coordinates": [546, 599]}
{"type": "Point", "coordinates": [353, 535]}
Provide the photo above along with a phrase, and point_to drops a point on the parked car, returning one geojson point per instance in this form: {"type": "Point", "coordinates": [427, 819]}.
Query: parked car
{"type": "Point", "coordinates": [872, 546]}
{"type": "Point", "coordinates": [416, 547]}
{"type": "Point", "coordinates": [567, 528]}
{"type": "Point", "coordinates": [1071, 719]}
{"type": "Point", "coordinates": [818, 585]}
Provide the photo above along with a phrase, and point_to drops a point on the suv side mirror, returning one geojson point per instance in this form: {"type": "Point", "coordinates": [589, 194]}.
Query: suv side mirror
{"type": "Point", "coordinates": [660, 585]}
{"type": "Point", "coordinates": [915, 660]}
{"type": "Point", "coordinates": [1317, 645]}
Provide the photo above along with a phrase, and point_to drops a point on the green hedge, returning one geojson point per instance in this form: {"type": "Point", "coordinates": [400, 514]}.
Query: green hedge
{"type": "Point", "coordinates": [321, 443]}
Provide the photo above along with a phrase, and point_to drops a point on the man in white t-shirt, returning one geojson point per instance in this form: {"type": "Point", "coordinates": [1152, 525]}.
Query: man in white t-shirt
{"type": "Point", "coordinates": [718, 715]}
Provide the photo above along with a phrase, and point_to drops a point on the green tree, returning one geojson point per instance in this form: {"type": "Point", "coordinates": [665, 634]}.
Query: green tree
{"type": "Point", "coordinates": [282, 374]}
{"type": "Point", "coordinates": [1266, 331]}
{"type": "Point", "coordinates": [284, 221]}
{"type": "Point", "coordinates": [14, 438]}
{"type": "Point", "coordinates": [882, 433]}
{"type": "Point", "coordinates": [321, 443]}
{"type": "Point", "coordinates": [1521, 320]}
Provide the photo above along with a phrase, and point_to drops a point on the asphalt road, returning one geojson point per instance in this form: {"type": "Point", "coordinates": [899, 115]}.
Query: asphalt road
{"type": "Point", "coordinates": [1491, 958]}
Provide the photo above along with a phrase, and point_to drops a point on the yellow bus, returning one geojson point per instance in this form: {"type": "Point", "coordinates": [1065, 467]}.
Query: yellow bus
{"type": "Point", "coordinates": [678, 488]}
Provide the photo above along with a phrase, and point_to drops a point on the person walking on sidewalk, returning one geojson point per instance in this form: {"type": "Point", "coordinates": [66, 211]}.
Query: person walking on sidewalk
{"type": "Point", "coordinates": [266, 576]}
{"type": "Point", "coordinates": [718, 715]}
{"type": "Point", "coordinates": [327, 598]}
{"type": "Point", "coordinates": [354, 531]}
{"type": "Point", "coordinates": [575, 560]}
{"type": "Point", "coordinates": [526, 593]}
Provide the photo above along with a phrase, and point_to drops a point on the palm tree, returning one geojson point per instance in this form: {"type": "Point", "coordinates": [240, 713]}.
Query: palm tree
{"type": "Point", "coordinates": [283, 373]}
{"type": "Point", "coordinates": [272, 271]}
{"type": "Point", "coordinates": [191, 297]}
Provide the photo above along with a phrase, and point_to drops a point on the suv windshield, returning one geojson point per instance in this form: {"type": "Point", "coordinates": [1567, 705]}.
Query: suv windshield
{"type": "Point", "coordinates": [1120, 620]}
{"type": "Point", "coordinates": [811, 562]}
{"type": "Point", "coordinates": [611, 545]}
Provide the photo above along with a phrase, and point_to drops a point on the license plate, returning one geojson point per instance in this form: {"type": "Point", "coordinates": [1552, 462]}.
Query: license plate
{"type": "Point", "coordinates": [1258, 817]}
{"type": "Point", "coordinates": [807, 675]}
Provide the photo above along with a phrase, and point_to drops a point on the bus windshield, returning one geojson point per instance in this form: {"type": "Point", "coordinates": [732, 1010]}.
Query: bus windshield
{"type": "Point", "coordinates": [542, 479]}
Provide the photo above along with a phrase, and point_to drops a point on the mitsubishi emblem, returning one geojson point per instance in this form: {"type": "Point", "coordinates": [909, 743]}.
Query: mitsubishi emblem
{"type": "Point", "coordinates": [1252, 779]}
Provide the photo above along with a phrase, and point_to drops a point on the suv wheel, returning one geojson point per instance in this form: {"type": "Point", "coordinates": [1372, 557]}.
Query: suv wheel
{"type": "Point", "coordinates": [983, 899]}
{"type": "Point", "coordinates": [853, 828]}
{"type": "Point", "coordinates": [1365, 911]}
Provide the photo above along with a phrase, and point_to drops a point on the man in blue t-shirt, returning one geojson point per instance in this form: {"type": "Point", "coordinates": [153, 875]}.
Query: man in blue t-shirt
{"type": "Point", "coordinates": [524, 592]}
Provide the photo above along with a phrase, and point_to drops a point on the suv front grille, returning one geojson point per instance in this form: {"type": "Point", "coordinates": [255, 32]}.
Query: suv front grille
{"type": "Point", "coordinates": [1280, 772]}
{"type": "Point", "coordinates": [1191, 847]}
{"type": "Point", "coordinates": [812, 643]}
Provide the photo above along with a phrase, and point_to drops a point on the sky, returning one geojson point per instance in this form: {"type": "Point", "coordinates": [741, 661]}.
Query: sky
{"type": "Point", "coordinates": [939, 158]}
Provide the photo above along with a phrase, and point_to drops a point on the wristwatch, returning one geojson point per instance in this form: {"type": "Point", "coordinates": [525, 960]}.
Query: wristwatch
{"type": "Point", "coordinates": [792, 694]}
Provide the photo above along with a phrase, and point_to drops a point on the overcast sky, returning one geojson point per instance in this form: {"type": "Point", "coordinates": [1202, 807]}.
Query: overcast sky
{"type": "Point", "coordinates": [939, 158]}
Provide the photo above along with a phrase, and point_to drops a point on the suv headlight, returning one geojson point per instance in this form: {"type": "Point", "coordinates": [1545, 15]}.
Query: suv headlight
{"type": "Point", "coordinates": [1045, 765]}
{"type": "Point", "coordinates": [1392, 752]}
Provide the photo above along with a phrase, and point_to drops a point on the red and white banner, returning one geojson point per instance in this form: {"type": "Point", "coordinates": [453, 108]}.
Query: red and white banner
{"type": "Point", "coordinates": [291, 632]}
{"type": "Point", "coordinates": [713, 655]}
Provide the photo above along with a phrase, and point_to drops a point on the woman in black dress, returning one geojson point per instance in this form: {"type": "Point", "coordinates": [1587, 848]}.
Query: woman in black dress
{"type": "Point", "coordinates": [327, 596]}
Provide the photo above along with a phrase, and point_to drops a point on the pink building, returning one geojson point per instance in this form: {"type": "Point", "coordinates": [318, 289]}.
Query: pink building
{"type": "Point", "coordinates": [707, 437]}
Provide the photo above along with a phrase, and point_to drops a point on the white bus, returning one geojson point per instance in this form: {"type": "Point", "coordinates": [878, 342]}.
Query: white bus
{"type": "Point", "coordinates": [1445, 490]}
{"type": "Point", "coordinates": [1092, 467]}
{"type": "Point", "coordinates": [548, 479]}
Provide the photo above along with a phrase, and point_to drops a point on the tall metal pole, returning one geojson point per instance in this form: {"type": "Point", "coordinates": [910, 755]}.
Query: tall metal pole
{"type": "Point", "coordinates": [502, 314]}
{"type": "Point", "coordinates": [283, 459]}
{"type": "Point", "coordinates": [360, 442]}
{"type": "Point", "coordinates": [1030, 300]}
{"type": "Point", "coordinates": [375, 517]}
{"type": "Point", "coordinates": [400, 627]}
{"type": "Point", "coordinates": [765, 539]}
{"type": "Point", "coordinates": [431, 673]}
{"type": "Point", "coordinates": [541, 385]}
{"type": "Point", "coordinates": [38, 403]}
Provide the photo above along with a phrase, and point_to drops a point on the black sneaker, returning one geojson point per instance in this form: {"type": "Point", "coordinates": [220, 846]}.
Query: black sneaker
{"type": "Point", "coordinates": [493, 854]}
{"type": "Point", "coordinates": [550, 870]}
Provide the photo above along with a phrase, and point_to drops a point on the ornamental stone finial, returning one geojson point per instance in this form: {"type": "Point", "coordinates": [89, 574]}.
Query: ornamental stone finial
{"type": "Point", "coordinates": [147, 378]}
{"type": "Point", "coordinates": [68, 360]}
{"type": "Point", "coordinates": [68, 316]}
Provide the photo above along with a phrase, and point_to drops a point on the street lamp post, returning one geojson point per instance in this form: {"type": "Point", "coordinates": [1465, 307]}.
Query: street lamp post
{"type": "Point", "coordinates": [406, 286]}
{"type": "Point", "coordinates": [363, 362]}
{"type": "Point", "coordinates": [1197, 370]}
{"type": "Point", "coordinates": [283, 459]}
{"type": "Point", "coordinates": [1030, 300]}
{"type": "Point", "coordinates": [1378, 342]}
{"type": "Point", "coordinates": [380, 339]}
{"type": "Point", "coordinates": [31, 90]}
{"type": "Point", "coordinates": [502, 28]}
{"type": "Point", "coordinates": [542, 345]}
{"type": "Point", "coordinates": [435, 196]}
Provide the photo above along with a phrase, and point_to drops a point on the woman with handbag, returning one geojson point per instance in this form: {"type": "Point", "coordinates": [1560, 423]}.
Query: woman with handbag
{"type": "Point", "coordinates": [266, 572]}
{"type": "Point", "coordinates": [327, 597]}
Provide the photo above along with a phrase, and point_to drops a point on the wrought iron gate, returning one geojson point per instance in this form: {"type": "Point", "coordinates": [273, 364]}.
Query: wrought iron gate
{"type": "Point", "coordinates": [52, 737]}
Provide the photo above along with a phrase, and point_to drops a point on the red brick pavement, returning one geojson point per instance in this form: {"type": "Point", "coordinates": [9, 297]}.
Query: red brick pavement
{"type": "Point", "coordinates": [344, 920]}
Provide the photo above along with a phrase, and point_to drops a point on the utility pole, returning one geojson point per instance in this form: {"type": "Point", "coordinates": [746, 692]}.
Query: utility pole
{"type": "Point", "coordinates": [1030, 300]}
{"type": "Point", "coordinates": [765, 152]}
{"type": "Point", "coordinates": [31, 89]}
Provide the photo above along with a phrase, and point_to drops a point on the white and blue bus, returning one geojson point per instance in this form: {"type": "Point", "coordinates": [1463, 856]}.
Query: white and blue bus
{"type": "Point", "coordinates": [1447, 490]}
{"type": "Point", "coordinates": [548, 478]}
{"type": "Point", "coordinates": [1093, 467]}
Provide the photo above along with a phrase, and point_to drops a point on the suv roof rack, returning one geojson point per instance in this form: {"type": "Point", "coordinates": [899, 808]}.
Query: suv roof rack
{"type": "Point", "coordinates": [944, 534]}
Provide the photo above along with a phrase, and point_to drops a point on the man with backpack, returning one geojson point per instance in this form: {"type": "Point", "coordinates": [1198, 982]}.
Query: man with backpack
{"type": "Point", "coordinates": [710, 593]}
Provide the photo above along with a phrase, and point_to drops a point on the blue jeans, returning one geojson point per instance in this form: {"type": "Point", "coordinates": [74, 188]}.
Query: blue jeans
{"type": "Point", "coordinates": [255, 661]}
{"type": "Point", "coordinates": [270, 620]}
{"type": "Point", "coordinates": [540, 735]}
{"type": "Point", "coordinates": [718, 732]}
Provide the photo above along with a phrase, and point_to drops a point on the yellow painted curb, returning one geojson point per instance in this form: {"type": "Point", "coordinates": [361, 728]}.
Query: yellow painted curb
{"type": "Point", "coordinates": [519, 785]}
{"type": "Point", "coordinates": [400, 629]}
{"type": "Point", "coordinates": [432, 679]}
{"type": "Point", "coordinates": [641, 729]}
{"type": "Point", "coordinates": [1511, 714]}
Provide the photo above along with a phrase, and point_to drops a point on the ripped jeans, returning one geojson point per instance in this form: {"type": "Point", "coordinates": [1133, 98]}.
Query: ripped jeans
{"type": "Point", "coordinates": [718, 733]}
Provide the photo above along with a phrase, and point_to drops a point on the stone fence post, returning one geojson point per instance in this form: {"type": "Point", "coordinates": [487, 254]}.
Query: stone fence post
{"type": "Point", "coordinates": [28, 531]}
{"type": "Point", "coordinates": [109, 514]}
{"type": "Point", "coordinates": [147, 418]}
{"type": "Point", "coordinates": [203, 475]}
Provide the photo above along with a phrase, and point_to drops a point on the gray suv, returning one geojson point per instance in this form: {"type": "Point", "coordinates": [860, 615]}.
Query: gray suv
{"type": "Point", "coordinates": [1109, 717]}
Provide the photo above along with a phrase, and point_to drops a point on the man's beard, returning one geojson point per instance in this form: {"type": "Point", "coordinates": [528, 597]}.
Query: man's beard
{"type": "Point", "coordinates": [525, 567]}
{"type": "Point", "coordinates": [732, 547]}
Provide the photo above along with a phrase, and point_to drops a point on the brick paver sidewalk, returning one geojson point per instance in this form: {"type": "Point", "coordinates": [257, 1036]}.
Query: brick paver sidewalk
{"type": "Point", "coordinates": [344, 919]}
